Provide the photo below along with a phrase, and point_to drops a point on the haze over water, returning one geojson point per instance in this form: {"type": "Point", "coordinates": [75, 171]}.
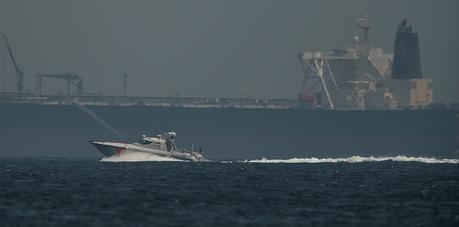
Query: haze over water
{"type": "Point", "coordinates": [213, 48]}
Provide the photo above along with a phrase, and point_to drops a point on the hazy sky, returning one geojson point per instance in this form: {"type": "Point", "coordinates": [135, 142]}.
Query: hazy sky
{"type": "Point", "coordinates": [227, 48]}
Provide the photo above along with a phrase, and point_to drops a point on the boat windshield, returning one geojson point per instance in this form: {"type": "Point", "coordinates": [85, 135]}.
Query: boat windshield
{"type": "Point", "coordinates": [144, 142]}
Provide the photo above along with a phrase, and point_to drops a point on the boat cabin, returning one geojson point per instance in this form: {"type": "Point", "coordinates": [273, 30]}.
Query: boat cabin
{"type": "Point", "coordinates": [164, 142]}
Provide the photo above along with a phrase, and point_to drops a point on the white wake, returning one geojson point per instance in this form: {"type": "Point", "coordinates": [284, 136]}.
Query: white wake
{"type": "Point", "coordinates": [138, 157]}
{"type": "Point", "coordinates": [145, 157]}
{"type": "Point", "coordinates": [355, 159]}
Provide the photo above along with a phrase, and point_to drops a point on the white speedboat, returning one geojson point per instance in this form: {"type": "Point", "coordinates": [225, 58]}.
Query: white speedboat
{"type": "Point", "coordinates": [160, 145]}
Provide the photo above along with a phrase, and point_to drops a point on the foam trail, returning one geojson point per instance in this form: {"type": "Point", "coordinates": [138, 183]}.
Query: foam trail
{"type": "Point", "coordinates": [138, 157]}
{"type": "Point", "coordinates": [356, 159]}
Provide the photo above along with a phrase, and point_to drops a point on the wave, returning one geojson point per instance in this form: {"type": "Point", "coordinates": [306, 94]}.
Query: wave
{"type": "Point", "coordinates": [144, 157]}
{"type": "Point", "coordinates": [356, 159]}
{"type": "Point", "coordinates": [138, 157]}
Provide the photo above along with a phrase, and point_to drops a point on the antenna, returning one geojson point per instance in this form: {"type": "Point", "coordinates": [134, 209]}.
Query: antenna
{"type": "Point", "coordinates": [98, 119]}
{"type": "Point", "coordinates": [3, 66]}
{"type": "Point", "coordinates": [125, 76]}
{"type": "Point", "coordinates": [364, 24]}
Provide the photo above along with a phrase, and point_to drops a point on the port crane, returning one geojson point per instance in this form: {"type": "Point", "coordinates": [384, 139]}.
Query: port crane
{"type": "Point", "coordinates": [72, 79]}
{"type": "Point", "coordinates": [19, 73]}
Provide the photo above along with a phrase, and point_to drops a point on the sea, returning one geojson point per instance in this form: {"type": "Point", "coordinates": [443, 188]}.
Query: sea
{"type": "Point", "coordinates": [149, 191]}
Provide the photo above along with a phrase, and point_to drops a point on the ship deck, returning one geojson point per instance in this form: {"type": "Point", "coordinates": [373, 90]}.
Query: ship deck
{"type": "Point", "coordinates": [192, 102]}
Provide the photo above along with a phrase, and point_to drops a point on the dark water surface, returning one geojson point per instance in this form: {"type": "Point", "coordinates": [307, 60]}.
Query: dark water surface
{"type": "Point", "coordinates": [65, 192]}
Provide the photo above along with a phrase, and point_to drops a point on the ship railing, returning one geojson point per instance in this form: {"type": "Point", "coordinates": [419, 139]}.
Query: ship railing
{"type": "Point", "coordinates": [153, 101]}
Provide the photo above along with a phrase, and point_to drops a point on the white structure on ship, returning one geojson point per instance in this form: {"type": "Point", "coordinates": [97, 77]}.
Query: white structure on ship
{"type": "Point", "coordinates": [367, 78]}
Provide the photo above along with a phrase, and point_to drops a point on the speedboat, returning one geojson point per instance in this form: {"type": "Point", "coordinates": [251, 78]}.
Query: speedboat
{"type": "Point", "coordinates": [161, 145]}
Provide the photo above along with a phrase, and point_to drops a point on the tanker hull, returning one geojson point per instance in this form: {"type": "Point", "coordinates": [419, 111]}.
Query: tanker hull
{"type": "Point", "coordinates": [234, 133]}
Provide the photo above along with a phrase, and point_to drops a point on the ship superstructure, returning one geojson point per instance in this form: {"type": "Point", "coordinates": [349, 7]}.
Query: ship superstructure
{"type": "Point", "coordinates": [367, 78]}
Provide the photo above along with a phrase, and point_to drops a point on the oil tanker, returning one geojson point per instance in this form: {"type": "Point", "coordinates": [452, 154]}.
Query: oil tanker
{"type": "Point", "coordinates": [354, 101]}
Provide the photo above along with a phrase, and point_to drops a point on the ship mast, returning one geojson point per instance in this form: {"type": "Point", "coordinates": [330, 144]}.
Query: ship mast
{"type": "Point", "coordinates": [364, 24]}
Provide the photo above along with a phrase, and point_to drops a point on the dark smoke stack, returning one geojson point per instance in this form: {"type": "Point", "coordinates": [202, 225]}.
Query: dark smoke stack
{"type": "Point", "coordinates": [407, 63]}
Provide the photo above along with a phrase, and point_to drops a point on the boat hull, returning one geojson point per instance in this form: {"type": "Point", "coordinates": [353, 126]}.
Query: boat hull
{"type": "Point", "coordinates": [110, 149]}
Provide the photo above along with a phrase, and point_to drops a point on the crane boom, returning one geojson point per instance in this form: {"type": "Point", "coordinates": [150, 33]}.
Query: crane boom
{"type": "Point", "coordinates": [19, 73]}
